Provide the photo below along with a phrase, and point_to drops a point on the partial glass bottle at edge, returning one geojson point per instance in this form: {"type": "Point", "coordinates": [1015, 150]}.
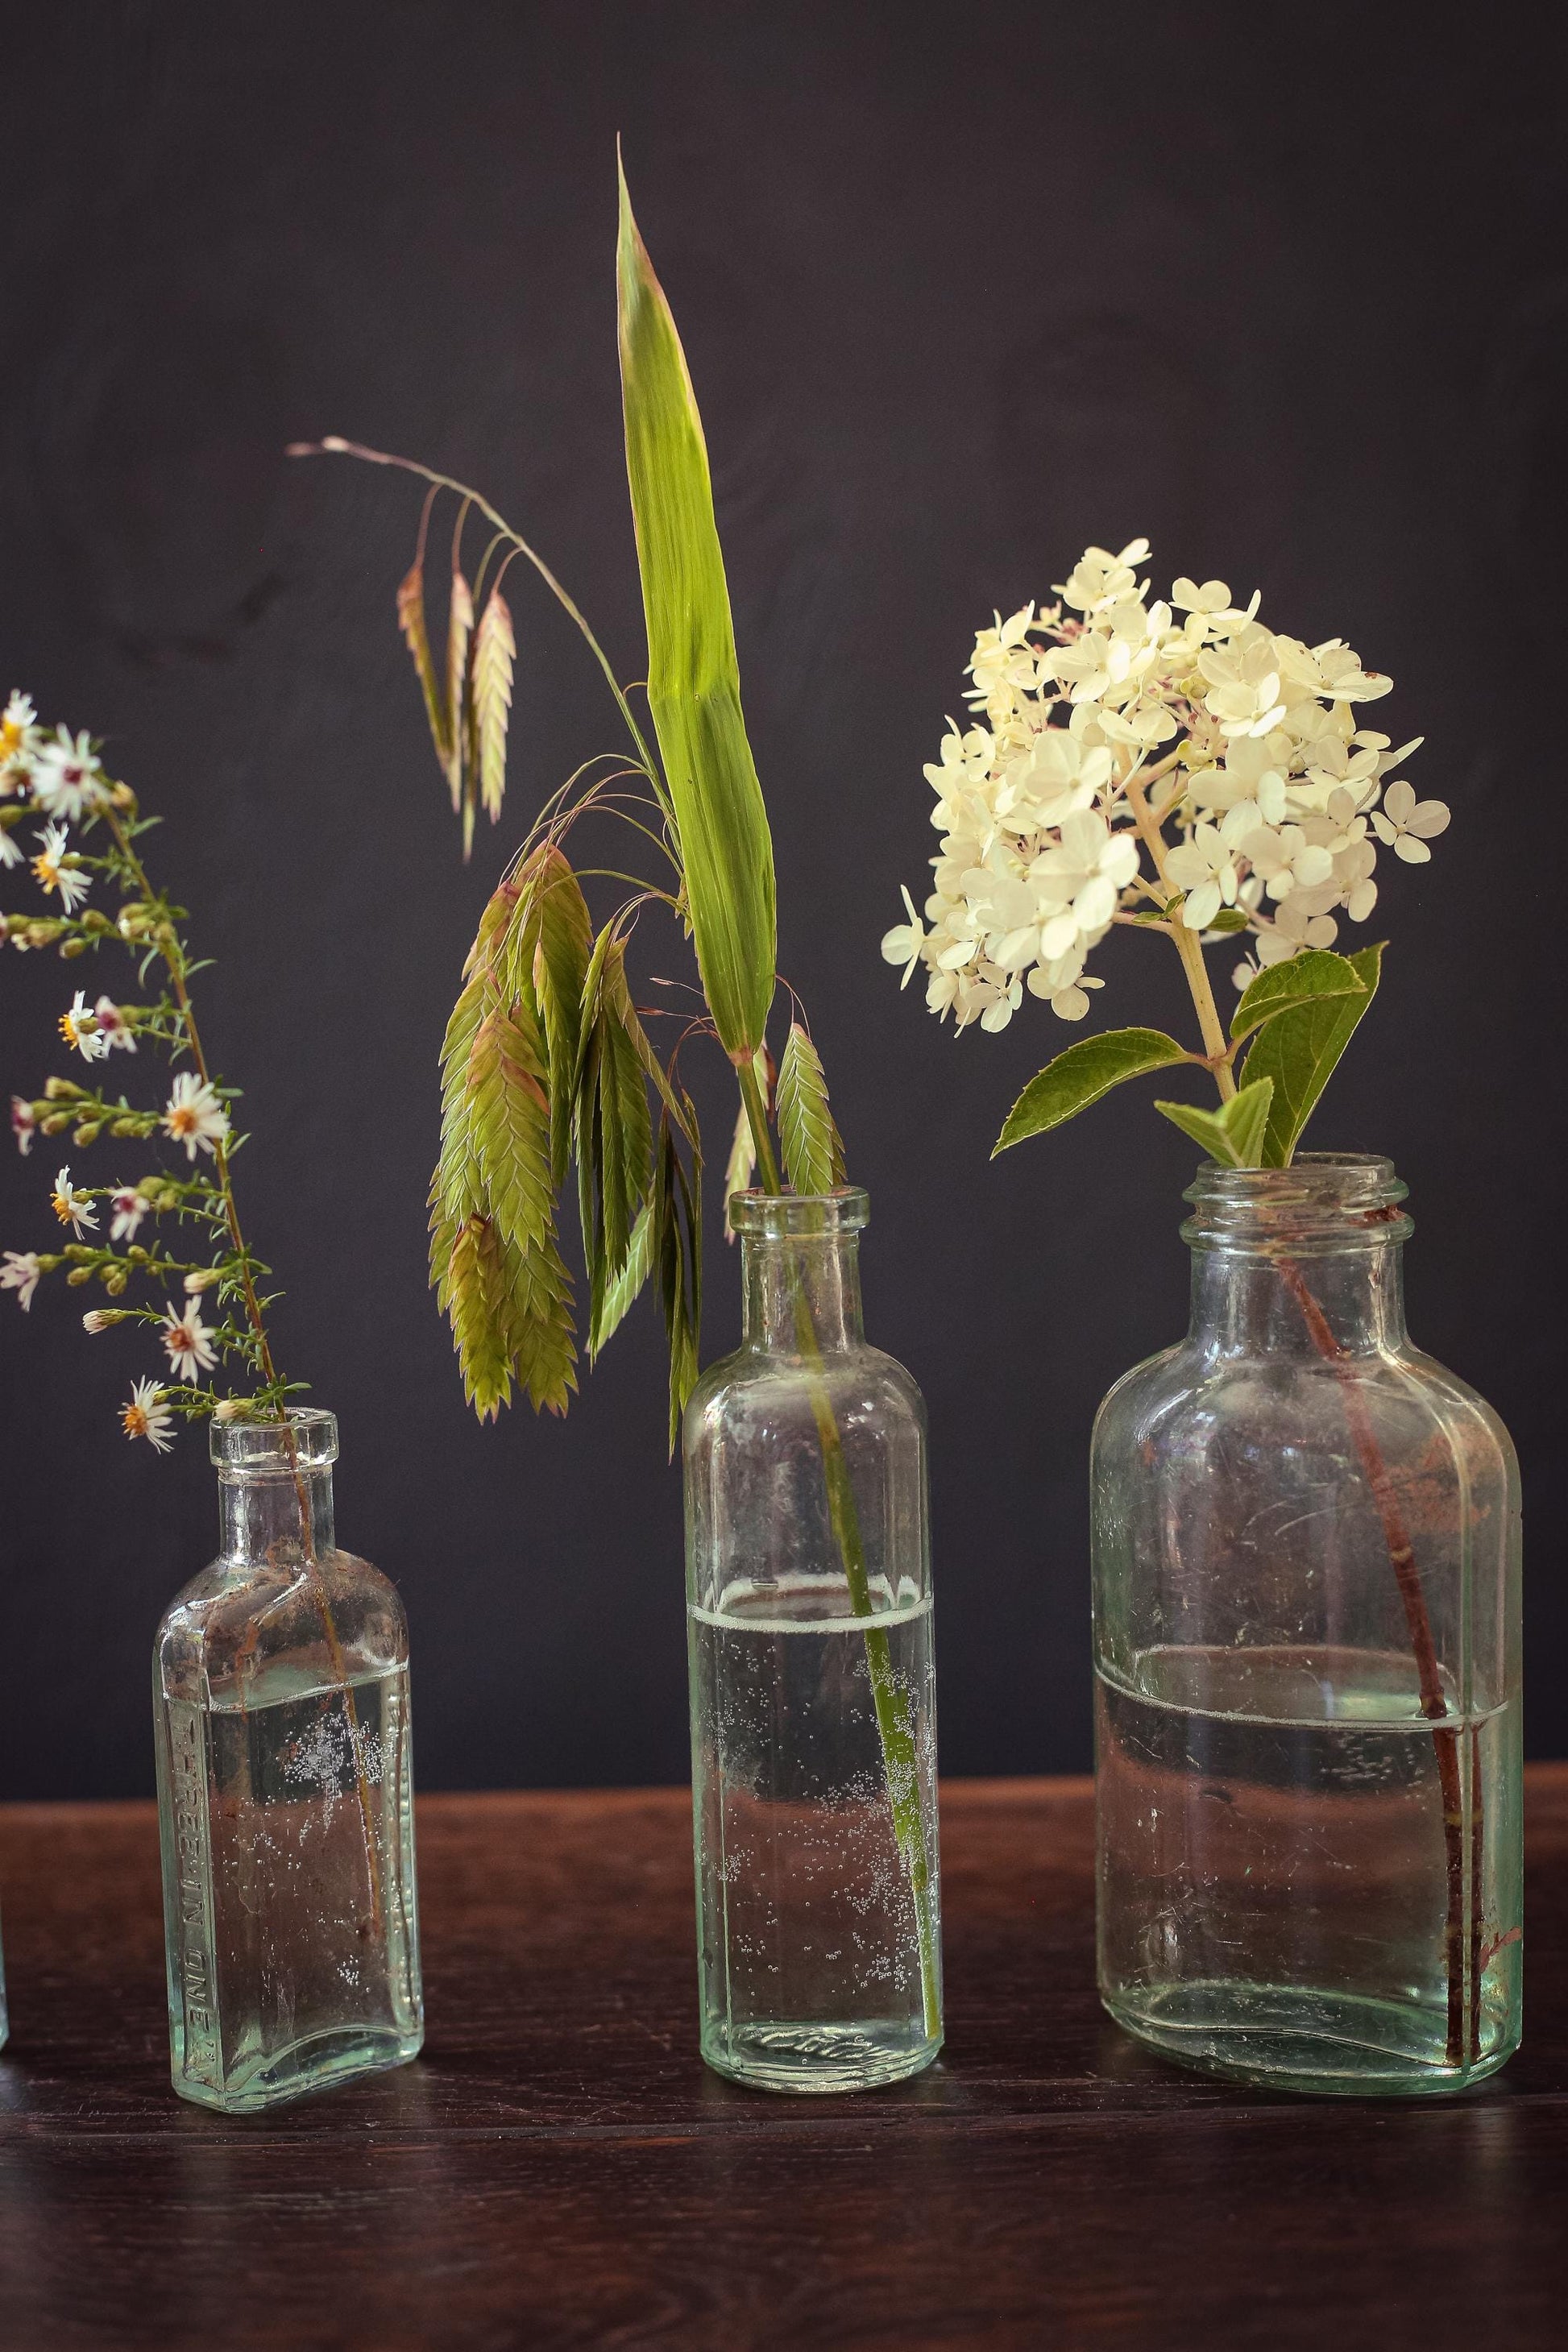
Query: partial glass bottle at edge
{"type": "Point", "coordinates": [813, 1694]}
{"type": "Point", "coordinates": [1307, 1639]}
{"type": "Point", "coordinates": [286, 1803]}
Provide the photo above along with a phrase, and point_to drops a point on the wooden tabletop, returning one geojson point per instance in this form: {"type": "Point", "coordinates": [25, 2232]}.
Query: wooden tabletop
{"type": "Point", "coordinates": [559, 2169]}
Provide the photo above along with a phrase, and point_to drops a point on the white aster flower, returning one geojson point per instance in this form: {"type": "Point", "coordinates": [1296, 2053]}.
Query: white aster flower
{"type": "Point", "coordinates": [22, 1124]}
{"type": "Point", "coordinates": [72, 1208]}
{"type": "Point", "coordinates": [54, 875]}
{"type": "Point", "coordinates": [904, 942]}
{"type": "Point", "coordinates": [79, 1027]}
{"type": "Point", "coordinates": [187, 1339]}
{"type": "Point", "coordinates": [20, 1273]}
{"type": "Point", "coordinates": [1204, 867]}
{"type": "Point", "coordinates": [147, 1415]}
{"type": "Point", "coordinates": [68, 782]}
{"type": "Point", "coordinates": [9, 852]}
{"type": "Point", "coordinates": [194, 1115]}
{"type": "Point", "coordinates": [19, 740]}
{"type": "Point", "coordinates": [1407, 824]}
{"type": "Point", "coordinates": [127, 1209]}
{"type": "Point", "coordinates": [114, 1025]}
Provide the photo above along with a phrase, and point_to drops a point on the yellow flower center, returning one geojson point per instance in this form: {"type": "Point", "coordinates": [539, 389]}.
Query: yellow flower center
{"type": "Point", "coordinates": [183, 1121]}
{"type": "Point", "coordinates": [61, 1203]}
{"type": "Point", "coordinates": [134, 1420]}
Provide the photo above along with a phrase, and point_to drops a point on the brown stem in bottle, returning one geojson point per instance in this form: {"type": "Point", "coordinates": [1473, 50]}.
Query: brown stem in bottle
{"type": "Point", "coordinates": [1461, 1952]}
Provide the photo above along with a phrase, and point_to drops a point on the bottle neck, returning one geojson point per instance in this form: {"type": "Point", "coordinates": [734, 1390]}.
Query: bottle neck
{"type": "Point", "coordinates": [1267, 1304]}
{"type": "Point", "coordinates": [261, 1522]}
{"type": "Point", "coordinates": [801, 1290]}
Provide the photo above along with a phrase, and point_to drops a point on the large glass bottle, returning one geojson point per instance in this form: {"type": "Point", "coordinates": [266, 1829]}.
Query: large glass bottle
{"type": "Point", "coordinates": [1307, 1648]}
{"type": "Point", "coordinates": [812, 1697]}
{"type": "Point", "coordinates": [286, 1802]}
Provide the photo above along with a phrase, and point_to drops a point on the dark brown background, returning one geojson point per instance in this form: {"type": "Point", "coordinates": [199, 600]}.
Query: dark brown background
{"type": "Point", "coordinates": [962, 289]}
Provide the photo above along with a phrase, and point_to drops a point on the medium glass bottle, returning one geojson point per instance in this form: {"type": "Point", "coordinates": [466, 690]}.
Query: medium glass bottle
{"type": "Point", "coordinates": [813, 1694]}
{"type": "Point", "coordinates": [1307, 1643]}
{"type": "Point", "coordinates": [285, 1795]}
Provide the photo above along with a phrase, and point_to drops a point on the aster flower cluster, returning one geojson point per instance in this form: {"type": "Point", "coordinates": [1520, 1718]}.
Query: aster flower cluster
{"type": "Point", "coordinates": [1169, 762]}
{"type": "Point", "coordinates": [194, 1259]}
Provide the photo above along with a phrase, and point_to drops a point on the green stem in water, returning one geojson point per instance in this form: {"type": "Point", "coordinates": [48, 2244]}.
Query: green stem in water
{"type": "Point", "coordinates": [895, 1727]}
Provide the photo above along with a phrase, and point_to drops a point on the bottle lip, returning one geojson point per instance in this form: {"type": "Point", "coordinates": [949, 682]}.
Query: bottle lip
{"type": "Point", "coordinates": [799, 1216]}
{"type": "Point", "coordinates": [259, 1449]}
{"type": "Point", "coordinates": [1324, 1200]}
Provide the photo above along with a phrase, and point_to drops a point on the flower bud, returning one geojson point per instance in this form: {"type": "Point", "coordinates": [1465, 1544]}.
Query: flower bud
{"type": "Point", "coordinates": [131, 923]}
{"type": "Point", "coordinates": [70, 947]}
{"type": "Point", "coordinates": [56, 1124]}
{"type": "Point", "coordinates": [63, 1090]}
{"type": "Point", "coordinates": [203, 1279]}
{"type": "Point", "coordinates": [78, 1275]}
{"type": "Point", "coordinates": [93, 919]}
{"type": "Point", "coordinates": [101, 1318]}
{"type": "Point", "coordinates": [87, 1132]}
{"type": "Point", "coordinates": [115, 1279]}
{"type": "Point", "coordinates": [124, 1126]}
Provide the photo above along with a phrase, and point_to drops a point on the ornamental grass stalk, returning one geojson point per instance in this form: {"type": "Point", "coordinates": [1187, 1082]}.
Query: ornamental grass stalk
{"type": "Point", "coordinates": [551, 1088]}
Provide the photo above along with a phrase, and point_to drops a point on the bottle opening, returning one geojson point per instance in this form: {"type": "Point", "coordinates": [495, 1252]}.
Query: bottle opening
{"type": "Point", "coordinates": [308, 1441]}
{"type": "Point", "coordinates": [799, 1216]}
{"type": "Point", "coordinates": [1324, 1200]}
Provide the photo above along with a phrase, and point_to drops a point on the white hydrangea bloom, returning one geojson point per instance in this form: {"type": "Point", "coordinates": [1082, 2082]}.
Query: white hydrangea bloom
{"type": "Point", "coordinates": [1109, 724]}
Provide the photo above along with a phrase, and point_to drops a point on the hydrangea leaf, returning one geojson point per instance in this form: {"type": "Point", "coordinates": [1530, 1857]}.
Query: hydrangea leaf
{"type": "Point", "coordinates": [693, 676]}
{"type": "Point", "coordinates": [1299, 1051]}
{"type": "Point", "coordinates": [1233, 1134]}
{"type": "Point", "coordinates": [1081, 1075]}
{"type": "Point", "coordinates": [1315, 972]}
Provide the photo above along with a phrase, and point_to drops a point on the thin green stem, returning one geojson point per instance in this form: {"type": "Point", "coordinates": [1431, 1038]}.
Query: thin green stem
{"type": "Point", "coordinates": [895, 1725]}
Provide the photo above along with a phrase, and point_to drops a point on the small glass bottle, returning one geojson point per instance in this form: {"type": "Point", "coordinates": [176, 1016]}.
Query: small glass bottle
{"type": "Point", "coordinates": [1307, 1643]}
{"type": "Point", "coordinates": [813, 1692]}
{"type": "Point", "coordinates": [285, 1794]}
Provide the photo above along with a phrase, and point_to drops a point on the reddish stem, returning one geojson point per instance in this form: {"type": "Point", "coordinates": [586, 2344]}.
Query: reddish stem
{"type": "Point", "coordinates": [1434, 1705]}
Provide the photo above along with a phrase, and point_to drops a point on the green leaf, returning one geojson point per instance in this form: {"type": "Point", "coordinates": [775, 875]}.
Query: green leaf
{"type": "Point", "coordinates": [1229, 918]}
{"type": "Point", "coordinates": [621, 1295]}
{"type": "Point", "coordinates": [495, 653]}
{"type": "Point", "coordinates": [813, 1153]}
{"type": "Point", "coordinates": [678, 1215]}
{"type": "Point", "coordinates": [1299, 1050]}
{"type": "Point", "coordinates": [1233, 1134]}
{"type": "Point", "coordinates": [1280, 987]}
{"type": "Point", "coordinates": [1081, 1075]}
{"type": "Point", "coordinates": [693, 676]}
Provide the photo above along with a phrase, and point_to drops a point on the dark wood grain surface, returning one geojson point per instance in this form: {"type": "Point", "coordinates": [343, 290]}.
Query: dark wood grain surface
{"type": "Point", "coordinates": [559, 2169]}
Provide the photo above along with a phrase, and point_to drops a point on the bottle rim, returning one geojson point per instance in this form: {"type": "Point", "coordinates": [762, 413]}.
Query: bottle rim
{"type": "Point", "coordinates": [259, 1449]}
{"type": "Point", "coordinates": [1324, 1201]}
{"type": "Point", "coordinates": [799, 1216]}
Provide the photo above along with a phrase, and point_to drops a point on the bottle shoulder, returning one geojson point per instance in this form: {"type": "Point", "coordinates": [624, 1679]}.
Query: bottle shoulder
{"type": "Point", "coordinates": [338, 1616]}
{"type": "Point", "coordinates": [864, 1385]}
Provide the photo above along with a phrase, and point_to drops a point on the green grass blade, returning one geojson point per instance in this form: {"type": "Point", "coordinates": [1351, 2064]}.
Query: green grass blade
{"type": "Point", "coordinates": [693, 676]}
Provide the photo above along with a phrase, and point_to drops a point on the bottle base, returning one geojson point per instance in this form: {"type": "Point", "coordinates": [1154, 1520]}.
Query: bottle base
{"type": "Point", "coordinates": [806, 2057]}
{"type": "Point", "coordinates": [322, 2064]}
{"type": "Point", "coordinates": [1320, 2045]}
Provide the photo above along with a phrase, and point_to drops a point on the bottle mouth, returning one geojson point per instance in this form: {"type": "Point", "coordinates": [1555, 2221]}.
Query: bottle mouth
{"type": "Point", "coordinates": [259, 1449]}
{"type": "Point", "coordinates": [1324, 1201]}
{"type": "Point", "coordinates": [799, 1216]}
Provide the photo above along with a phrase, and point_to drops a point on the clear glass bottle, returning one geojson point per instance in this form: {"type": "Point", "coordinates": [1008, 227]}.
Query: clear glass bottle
{"type": "Point", "coordinates": [286, 1800]}
{"type": "Point", "coordinates": [813, 1696]}
{"type": "Point", "coordinates": [1307, 1647]}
